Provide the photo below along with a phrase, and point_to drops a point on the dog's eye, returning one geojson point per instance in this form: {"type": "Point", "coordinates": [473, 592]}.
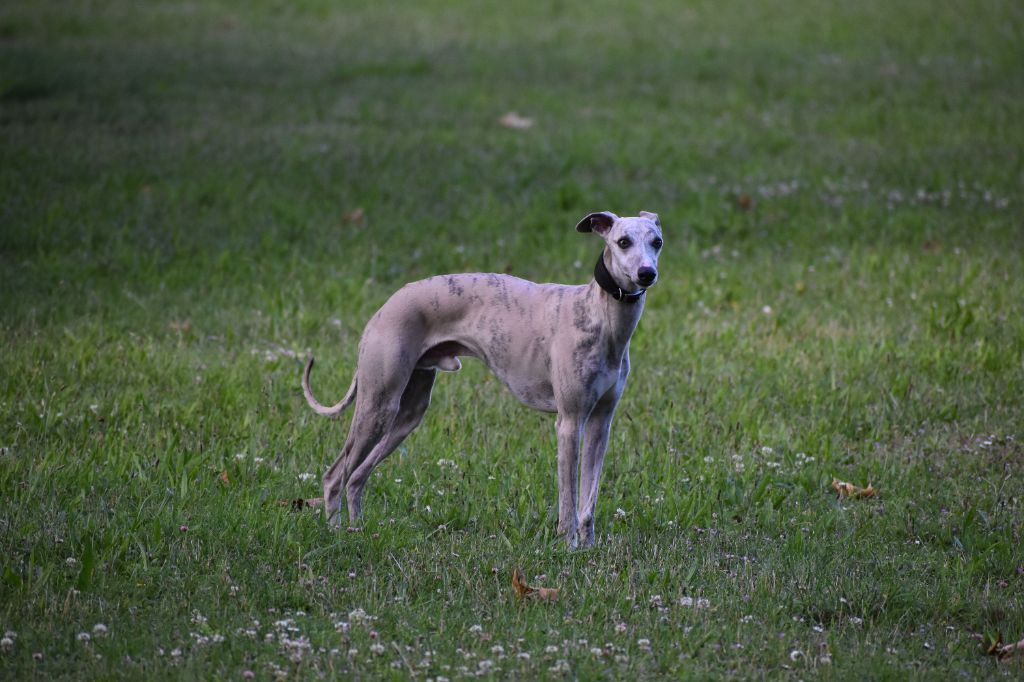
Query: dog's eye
{"type": "Point", "coordinates": [625, 243]}
{"type": "Point", "coordinates": [657, 243]}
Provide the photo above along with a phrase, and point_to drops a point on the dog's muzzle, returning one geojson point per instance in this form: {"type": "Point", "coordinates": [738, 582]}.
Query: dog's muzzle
{"type": "Point", "coordinates": [646, 276]}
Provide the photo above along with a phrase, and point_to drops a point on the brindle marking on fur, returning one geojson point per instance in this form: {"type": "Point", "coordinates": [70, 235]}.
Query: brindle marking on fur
{"type": "Point", "coordinates": [454, 288]}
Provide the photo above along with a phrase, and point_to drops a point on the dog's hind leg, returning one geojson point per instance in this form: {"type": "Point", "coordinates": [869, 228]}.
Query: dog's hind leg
{"type": "Point", "coordinates": [333, 480]}
{"type": "Point", "coordinates": [413, 404]}
{"type": "Point", "coordinates": [374, 413]}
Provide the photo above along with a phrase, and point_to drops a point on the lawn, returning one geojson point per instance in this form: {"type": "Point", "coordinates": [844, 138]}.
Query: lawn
{"type": "Point", "coordinates": [194, 197]}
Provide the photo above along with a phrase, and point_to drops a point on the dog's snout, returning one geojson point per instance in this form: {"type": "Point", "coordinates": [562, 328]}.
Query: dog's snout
{"type": "Point", "coordinates": [646, 275]}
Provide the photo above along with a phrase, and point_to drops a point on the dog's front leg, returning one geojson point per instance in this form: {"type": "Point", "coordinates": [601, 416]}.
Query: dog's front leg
{"type": "Point", "coordinates": [569, 430]}
{"type": "Point", "coordinates": [595, 443]}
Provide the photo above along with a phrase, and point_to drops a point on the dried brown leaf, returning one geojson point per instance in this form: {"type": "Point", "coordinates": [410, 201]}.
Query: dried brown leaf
{"type": "Point", "coordinates": [299, 503]}
{"type": "Point", "coordinates": [852, 491]}
{"type": "Point", "coordinates": [515, 121]}
{"type": "Point", "coordinates": [525, 591]}
{"type": "Point", "coordinates": [1004, 651]}
{"type": "Point", "coordinates": [223, 478]}
{"type": "Point", "coordinates": [993, 645]}
{"type": "Point", "coordinates": [356, 215]}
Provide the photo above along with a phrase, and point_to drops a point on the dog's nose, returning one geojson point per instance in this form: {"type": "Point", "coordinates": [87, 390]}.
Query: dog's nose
{"type": "Point", "coordinates": [646, 275]}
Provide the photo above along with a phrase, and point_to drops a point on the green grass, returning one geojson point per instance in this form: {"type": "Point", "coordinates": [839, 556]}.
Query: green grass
{"type": "Point", "coordinates": [842, 294]}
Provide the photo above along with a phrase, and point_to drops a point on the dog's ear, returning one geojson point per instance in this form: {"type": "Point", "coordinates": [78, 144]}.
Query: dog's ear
{"type": "Point", "coordinates": [599, 222]}
{"type": "Point", "coordinates": [651, 216]}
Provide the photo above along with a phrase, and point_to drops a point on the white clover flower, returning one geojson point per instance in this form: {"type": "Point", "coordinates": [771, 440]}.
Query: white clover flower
{"type": "Point", "coordinates": [361, 617]}
{"type": "Point", "coordinates": [7, 643]}
{"type": "Point", "coordinates": [620, 513]}
{"type": "Point", "coordinates": [523, 655]}
{"type": "Point", "coordinates": [498, 650]}
{"type": "Point", "coordinates": [71, 561]}
{"type": "Point", "coordinates": [84, 637]}
{"type": "Point", "coordinates": [551, 649]}
{"type": "Point", "coordinates": [597, 651]}
{"type": "Point", "coordinates": [100, 630]}
{"type": "Point", "coordinates": [305, 476]}
{"type": "Point", "coordinates": [377, 649]}
{"type": "Point", "coordinates": [644, 644]}
{"type": "Point", "coordinates": [240, 456]}
{"type": "Point", "coordinates": [795, 654]}
{"type": "Point", "coordinates": [475, 629]}
{"type": "Point", "coordinates": [620, 627]}
{"type": "Point", "coordinates": [561, 666]}
{"type": "Point", "coordinates": [700, 602]}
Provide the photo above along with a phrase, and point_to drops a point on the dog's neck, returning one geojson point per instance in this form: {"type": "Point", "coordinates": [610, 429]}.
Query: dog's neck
{"type": "Point", "coordinates": [618, 321]}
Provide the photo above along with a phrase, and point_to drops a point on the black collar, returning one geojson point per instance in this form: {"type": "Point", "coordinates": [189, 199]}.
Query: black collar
{"type": "Point", "coordinates": [605, 281]}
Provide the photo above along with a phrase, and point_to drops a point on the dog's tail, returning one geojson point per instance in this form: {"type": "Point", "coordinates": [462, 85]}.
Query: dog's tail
{"type": "Point", "coordinates": [333, 410]}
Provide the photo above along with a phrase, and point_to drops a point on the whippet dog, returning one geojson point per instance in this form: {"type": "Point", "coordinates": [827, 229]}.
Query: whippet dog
{"type": "Point", "coordinates": [558, 348]}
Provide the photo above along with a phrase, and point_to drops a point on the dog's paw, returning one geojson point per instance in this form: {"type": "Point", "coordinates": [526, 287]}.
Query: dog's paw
{"type": "Point", "coordinates": [333, 520]}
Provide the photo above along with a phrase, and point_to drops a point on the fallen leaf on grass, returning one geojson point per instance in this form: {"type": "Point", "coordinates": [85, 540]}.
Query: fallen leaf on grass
{"type": "Point", "coordinates": [223, 478]}
{"type": "Point", "coordinates": [515, 121]}
{"type": "Point", "coordinates": [525, 591]}
{"type": "Point", "coordinates": [299, 503]}
{"type": "Point", "coordinates": [356, 215]}
{"type": "Point", "coordinates": [1004, 651]}
{"type": "Point", "coordinates": [850, 490]}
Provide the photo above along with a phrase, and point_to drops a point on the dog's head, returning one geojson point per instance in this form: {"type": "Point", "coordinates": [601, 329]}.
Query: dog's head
{"type": "Point", "coordinates": [633, 247]}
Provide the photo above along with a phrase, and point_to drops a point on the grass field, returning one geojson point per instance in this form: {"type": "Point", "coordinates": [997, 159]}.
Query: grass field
{"type": "Point", "coordinates": [196, 196]}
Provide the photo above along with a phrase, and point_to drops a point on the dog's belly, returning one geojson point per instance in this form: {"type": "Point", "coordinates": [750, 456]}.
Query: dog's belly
{"type": "Point", "coordinates": [533, 389]}
{"type": "Point", "coordinates": [535, 393]}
